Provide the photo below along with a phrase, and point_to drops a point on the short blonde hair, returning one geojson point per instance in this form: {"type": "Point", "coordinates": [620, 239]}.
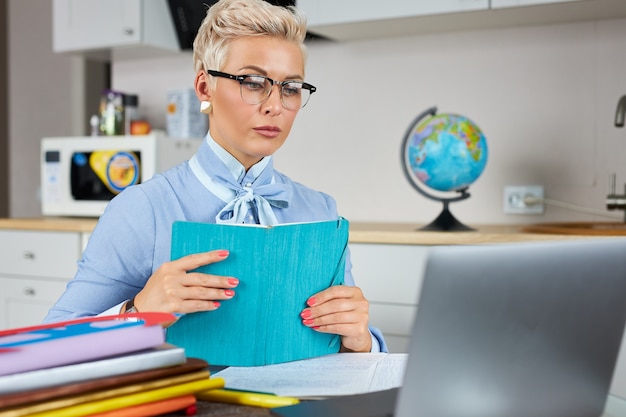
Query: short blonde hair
{"type": "Point", "coordinates": [228, 20]}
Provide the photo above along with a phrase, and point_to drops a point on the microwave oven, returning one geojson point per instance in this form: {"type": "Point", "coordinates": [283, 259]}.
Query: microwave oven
{"type": "Point", "coordinates": [80, 175]}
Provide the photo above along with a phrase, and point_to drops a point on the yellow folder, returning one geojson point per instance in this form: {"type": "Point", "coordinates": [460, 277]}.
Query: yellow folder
{"type": "Point", "coordinates": [133, 399]}
{"type": "Point", "coordinates": [72, 400]}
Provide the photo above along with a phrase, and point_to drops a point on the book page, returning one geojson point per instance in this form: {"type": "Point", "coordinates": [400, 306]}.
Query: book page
{"type": "Point", "coordinates": [330, 375]}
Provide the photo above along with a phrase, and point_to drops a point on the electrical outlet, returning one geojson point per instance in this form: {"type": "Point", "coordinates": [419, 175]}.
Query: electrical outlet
{"type": "Point", "coordinates": [518, 199]}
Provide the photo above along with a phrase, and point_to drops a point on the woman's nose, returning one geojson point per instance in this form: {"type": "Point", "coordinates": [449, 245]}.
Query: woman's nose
{"type": "Point", "coordinates": [274, 103]}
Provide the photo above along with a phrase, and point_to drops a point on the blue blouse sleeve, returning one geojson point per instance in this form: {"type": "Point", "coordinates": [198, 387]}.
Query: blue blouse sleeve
{"type": "Point", "coordinates": [117, 261]}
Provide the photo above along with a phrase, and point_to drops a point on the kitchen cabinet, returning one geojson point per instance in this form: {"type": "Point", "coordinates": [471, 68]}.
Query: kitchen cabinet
{"type": "Point", "coordinates": [27, 301]}
{"type": "Point", "coordinates": [35, 267]}
{"type": "Point", "coordinates": [130, 29]}
{"type": "Point", "coordinates": [390, 277]}
{"type": "Point", "coordinates": [328, 12]}
{"type": "Point", "coordinates": [353, 20]}
{"type": "Point", "coordinates": [96, 25]}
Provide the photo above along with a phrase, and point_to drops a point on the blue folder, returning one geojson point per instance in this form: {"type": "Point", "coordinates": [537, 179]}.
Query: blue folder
{"type": "Point", "coordinates": [279, 268]}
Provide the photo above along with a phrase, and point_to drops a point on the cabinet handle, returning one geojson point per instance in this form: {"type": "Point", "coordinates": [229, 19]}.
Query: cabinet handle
{"type": "Point", "coordinates": [29, 255]}
{"type": "Point", "coordinates": [128, 31]}
{"type": "Point", "coordinates": [29, 291]}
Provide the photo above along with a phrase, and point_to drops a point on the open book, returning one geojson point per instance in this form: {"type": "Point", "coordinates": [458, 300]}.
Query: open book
{"type": "Point", "coordinates": [279, 268]}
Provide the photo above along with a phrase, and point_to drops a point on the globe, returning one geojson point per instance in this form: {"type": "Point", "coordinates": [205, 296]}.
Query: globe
{"type": "Point", "coordinates": [446, 153]}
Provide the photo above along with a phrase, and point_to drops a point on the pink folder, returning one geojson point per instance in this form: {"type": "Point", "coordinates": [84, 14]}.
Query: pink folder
{"type": "Point", "coordinates": [80, 340]}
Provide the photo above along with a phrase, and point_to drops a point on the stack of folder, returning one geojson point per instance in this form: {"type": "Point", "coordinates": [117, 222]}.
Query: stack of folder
{"type": "Point", "coordinates": [103, 366]}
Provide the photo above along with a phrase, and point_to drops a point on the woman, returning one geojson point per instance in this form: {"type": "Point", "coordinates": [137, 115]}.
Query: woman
{"type": "Point", "coordinates": [249, 57]}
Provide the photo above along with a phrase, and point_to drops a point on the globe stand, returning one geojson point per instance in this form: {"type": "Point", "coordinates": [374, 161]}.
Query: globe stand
{"type": "Point", "coordinates": [446, 220]}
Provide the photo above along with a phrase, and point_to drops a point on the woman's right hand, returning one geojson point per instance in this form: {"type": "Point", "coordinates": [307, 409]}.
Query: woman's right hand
{"type": "Point", "coordinates": [172, 289]}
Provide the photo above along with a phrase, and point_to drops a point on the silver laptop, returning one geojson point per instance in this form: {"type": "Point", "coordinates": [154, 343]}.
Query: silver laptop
{"type": "Point", "coordinates": [507, 330]}
{"type": "Point", "coordinates": [517, 330]}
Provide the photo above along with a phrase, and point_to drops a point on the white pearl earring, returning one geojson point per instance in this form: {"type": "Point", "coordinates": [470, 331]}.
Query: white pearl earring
{"type": "Point", "coordinates": [205, 107]}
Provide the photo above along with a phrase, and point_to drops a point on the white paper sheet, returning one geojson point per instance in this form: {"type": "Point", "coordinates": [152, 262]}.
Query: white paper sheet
{"type": "Point", "coordinates": [330, 375]}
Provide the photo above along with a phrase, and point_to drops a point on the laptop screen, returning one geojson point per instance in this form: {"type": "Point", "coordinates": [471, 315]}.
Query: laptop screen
{"type": "Point", "coordinates": [525, 329]}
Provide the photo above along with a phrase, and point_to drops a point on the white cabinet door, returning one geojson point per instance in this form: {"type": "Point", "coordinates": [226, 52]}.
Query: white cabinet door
{"type": "Point", "coordinates": [25, 301]}
{"type": "Point", "coordinates": [35, 267]}
{"type": "Point", "coordinates": [330, 12]}
{"type": "Point", "coordinates": [48, 255]}
{"type": "Point", "coordinates": [84, 25]}
{"type": "Point", "coordinates": [390, 277]}
{"type": "Point", "coordinates": [89, 24]}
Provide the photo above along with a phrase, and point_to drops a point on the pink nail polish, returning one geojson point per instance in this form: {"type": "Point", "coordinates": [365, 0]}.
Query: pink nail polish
{"type": "Point", "coordinates": [222, 253]}
{"type": "Point", "coordinates": [305, 314]}
{"type": "Point", "coordinates": [229, 293]}
{"type": "Point", "coordinates": [307, 322]}
{"type": "Point", "coordinates": [311, 301]}
{"type": "Point", "coordinates": [233, 281]}
{"type": "Point", "coordinates": [216, 304]}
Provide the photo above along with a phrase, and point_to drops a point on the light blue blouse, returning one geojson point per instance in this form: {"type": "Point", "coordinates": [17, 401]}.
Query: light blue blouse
{"type": "Point", "coordinates": [133, 235]}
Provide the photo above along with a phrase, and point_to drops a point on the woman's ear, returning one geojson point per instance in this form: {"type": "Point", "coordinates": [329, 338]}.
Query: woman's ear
{"type": "Point", "coordinates": [201, 84]}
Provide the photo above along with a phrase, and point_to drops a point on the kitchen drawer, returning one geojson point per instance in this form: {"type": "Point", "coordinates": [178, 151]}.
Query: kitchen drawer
{"type": "Point", "coordinates": [25, 302]}
{"type": "Point", "coordinates": [41, 254]}
{"type": "Point", "coordinates": [389, 273]}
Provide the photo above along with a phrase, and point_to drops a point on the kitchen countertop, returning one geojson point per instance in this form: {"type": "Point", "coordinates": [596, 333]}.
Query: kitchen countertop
{"type": "Point", "coordinates": [360, 232]}
{"type": "Point", "coordinates": [50, 224]}
{"type": "Point", "coordinates": [408, 234]}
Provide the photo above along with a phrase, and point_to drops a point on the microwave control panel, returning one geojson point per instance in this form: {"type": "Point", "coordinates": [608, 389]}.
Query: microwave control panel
{"type": "Point", "coordinates": [51, 175]}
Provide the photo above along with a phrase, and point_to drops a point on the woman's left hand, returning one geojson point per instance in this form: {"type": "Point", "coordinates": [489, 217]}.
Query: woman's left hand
{"type": "Point", "coordinates": [341, 310]}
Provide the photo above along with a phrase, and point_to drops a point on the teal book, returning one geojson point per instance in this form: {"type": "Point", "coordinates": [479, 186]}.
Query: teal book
{"type": "Point", "coordinates": [279, 268]}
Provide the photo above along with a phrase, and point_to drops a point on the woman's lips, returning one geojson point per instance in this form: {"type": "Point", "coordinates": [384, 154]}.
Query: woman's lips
{"type": "Point", "coordinates": [268, 131]}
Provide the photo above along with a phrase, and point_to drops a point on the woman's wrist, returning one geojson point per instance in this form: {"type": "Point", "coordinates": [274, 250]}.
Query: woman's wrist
{"type": "Point", "coordinates": [366, 346]}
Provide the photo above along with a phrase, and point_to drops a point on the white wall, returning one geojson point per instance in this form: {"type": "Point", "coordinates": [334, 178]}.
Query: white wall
{"type": "Point", "coordinates": [44, 98]}
{"type": "Point", "coordinates": [544, 96]}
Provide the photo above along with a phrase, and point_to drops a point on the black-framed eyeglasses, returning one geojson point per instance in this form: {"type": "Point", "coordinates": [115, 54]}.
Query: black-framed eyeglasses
{"type": "Point", "coordinates": [256, 89]}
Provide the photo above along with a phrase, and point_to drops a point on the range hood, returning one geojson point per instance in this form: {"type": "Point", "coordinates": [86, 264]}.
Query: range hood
{"type": "Point", "coordinates": [188, 15]}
